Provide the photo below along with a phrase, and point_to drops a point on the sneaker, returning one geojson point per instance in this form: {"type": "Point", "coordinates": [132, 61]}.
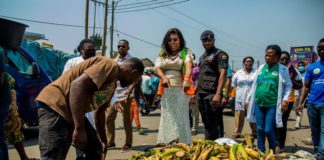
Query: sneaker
{"type": "Point", "coordinates": [297, 126]}
{"type": "Point", "coordinates": [111, 146]}
{"type": "Point", "coordinates": [141, 132]}
{"type": "Point", "coordinates": [126, 148]}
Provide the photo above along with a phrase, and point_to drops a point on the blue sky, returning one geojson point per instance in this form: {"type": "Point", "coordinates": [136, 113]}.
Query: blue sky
{"type": "Point", "coordinates": [242, 27]}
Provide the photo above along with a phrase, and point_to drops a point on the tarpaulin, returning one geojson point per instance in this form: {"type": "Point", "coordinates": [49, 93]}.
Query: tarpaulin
{"type": "Point", "coordinates": [51, 60]}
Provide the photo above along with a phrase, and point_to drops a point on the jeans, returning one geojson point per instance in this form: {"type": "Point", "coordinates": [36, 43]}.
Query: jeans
{"type": "Point", "coordinates": [316, 120]}
{"type": "Point", "coordinates": [55, 136]}
{"type": "Point", "coordinates": [3, 144]}
{"type": "Point", "coordinates": [210, 117]}
{"type": "Point", "coordinates": [282, 132]}
{"type": "Point", "coordinates": [266, 126]}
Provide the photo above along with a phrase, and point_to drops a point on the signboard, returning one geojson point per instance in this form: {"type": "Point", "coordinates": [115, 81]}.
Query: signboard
{"type": "Point", "coordinates": [298, 54]}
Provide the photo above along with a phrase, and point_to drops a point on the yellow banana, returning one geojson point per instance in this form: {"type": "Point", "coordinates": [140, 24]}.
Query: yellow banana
{"type": "Point", "coordinates": [197, 152]}
{"type": "Point", "coordinates": [204, 154]}
{"type": "Point", "coordinates": [222, 155]}
{"type": "Point", "coordinates": [270, 156]}
{"type": "Point", "coordinates": [248, 140]}
{"type": "Point", "coordinates": [214, 151]}
{"type": "Point", "coordinates": [171, 151]}
{"type": "Point", "coordinates": [232, 152]}
{"type": "Point", "coordinates": [222, 149]}
{"type": "Point", "coordinates": [251, 152]}
{"type": "Point", "coordinates": [241, 152]}
{"type": "Point", "coordinates": [227, 147]}
{"type": "Point", "coordinates": [213, 158]}
{"type": "Point", "coordinates": [183, 146]}
{"type": "Point", "coordinates": [261, 153]}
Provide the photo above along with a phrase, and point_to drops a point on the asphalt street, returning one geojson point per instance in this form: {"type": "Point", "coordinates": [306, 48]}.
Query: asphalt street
{"type": "Point", "coordinates": [151, 123]}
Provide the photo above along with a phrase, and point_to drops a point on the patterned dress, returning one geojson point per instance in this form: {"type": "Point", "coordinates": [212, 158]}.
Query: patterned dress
{"type": "Point", "coordinates": [13, 122]}
{"type": "Point", "coordinates": [174, 121]}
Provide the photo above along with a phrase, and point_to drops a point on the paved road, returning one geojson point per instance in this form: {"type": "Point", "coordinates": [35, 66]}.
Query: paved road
{"type": "Point", "coordinates": [151, 123]}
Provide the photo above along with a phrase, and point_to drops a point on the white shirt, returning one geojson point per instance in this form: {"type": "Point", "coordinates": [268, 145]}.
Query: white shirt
{"type": "Point", "coordinates": [243, 83]}
{"type": "Point", "coordinates": [120, 92]}
{"type": "Point", "coordinates": [72, 62]}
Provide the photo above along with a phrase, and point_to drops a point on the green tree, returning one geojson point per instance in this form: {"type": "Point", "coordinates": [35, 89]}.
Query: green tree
{"type": "Point", "coordinates": [97, 38]}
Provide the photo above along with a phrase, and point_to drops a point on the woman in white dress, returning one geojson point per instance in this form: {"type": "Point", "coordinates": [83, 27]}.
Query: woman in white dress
{"type": "Point", "coordinates": [173, 66]}
{"type": "Point", "coordinates": [242, 81]}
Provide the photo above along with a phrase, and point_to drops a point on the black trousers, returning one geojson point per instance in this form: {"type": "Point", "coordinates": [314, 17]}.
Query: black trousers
{"type": "Point", "coordinates": [211, 117]}
{"type": "Point", "coordinates": [282, 132]}
{"type": "Point", "coordinates": [55, 136]}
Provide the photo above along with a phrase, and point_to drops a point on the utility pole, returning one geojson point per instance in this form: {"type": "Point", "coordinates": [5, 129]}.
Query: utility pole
{"type": "Point", "coordinates": [94, 19]}
{"type": "Point", "coordinates": [112, 27]}
{"type": "Point", "coordinates": [232, 64]}
{"type": "Point", "coordinates": [105, 30]}
{"type": "Point", "coordinates": [258, 63]}
{"type": "Point", "coordinates": [86, 20]}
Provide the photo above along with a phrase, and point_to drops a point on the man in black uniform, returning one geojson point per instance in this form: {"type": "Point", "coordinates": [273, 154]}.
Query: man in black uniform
{"type": "Point", "coordinates": [213, 66]}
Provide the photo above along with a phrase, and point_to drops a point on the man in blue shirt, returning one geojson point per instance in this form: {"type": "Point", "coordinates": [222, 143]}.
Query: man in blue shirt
{"type": "Point", "coordinates": [5, 100]}
{"type": "Point", "coordinates": [314, 85]}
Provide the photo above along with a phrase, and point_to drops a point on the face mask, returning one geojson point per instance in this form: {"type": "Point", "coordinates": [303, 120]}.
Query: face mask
{"type": "Point", "coordinates": [89, 54]}
{"type": "Point", "coordinates": [301, 69]}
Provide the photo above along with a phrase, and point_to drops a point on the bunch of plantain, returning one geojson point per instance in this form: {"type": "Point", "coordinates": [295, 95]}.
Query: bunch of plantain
{"type": "Point", "coordinates": [206, 150]}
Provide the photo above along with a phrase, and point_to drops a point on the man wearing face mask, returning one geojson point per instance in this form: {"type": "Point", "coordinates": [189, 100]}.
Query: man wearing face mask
{"type": "Point", "coordinates": [302, 70]}
{"type": "Point", "coordinates": [86, 49]}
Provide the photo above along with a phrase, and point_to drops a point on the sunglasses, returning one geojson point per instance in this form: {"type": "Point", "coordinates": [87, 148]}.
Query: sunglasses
{"type": "Point", "coordinates": [121, 46]}
{"type": "Point", "coordinates": [287, 59]}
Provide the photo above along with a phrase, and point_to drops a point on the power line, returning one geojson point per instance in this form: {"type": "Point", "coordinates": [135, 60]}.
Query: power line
{"type": "Point", "coordinates": [131, 4]}
{"type": "Point", "coordinates": [79, 26]}
{"type": "Point", "coordinates": [177, 20]}
{"type": "Point", "coordinates": [193, 28]}
{"type": "Point", "coordinates": [125, 8]}
{"type": "Point", "coordinates": [144, 5]}
{"type": "Point", "coordinates": [149, 8]}
{"type": "Point", "coordinates": [208, 26]}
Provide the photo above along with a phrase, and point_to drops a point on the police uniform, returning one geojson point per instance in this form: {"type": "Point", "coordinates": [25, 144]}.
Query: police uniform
{"type": "Point", "coordinates": [210, 63]}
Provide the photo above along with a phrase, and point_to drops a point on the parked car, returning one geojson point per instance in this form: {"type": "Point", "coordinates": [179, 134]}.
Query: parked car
{"type": "Point", "coordinates": [30, 80]}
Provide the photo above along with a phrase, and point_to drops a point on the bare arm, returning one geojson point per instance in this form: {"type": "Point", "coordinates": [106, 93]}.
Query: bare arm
{"type": "Point", "coordinates": [81, 89]}
{"type": "Point", "coordinates": [304, 92]}
{"type": "Point", "coordinates": [188, 70]}
{"type": "Point", "coordinates": [187, 75]}
{"type": "Point", "coordinates": [163, 78]}
{"type": "Point", "coordinates": [99, 117]}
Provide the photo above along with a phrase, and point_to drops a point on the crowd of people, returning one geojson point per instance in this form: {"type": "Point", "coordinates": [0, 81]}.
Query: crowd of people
{"type": "Point", "coordinates": [81, 106]}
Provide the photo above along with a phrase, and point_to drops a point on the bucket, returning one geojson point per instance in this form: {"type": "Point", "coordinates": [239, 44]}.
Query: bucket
{"type": "Point", "coordinates": [11, 34]}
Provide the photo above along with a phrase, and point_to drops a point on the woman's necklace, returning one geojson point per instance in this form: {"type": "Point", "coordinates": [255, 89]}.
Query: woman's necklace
{"type": "Point", "coordinates": [173, 57]}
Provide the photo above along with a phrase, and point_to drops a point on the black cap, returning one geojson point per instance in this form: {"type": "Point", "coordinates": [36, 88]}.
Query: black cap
{"type": "Point", "coordinates": [207, 34]}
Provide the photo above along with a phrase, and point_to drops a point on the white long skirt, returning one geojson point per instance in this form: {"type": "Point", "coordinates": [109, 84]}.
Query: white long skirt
{"type": "Point", "coordinates": [174, 121]}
